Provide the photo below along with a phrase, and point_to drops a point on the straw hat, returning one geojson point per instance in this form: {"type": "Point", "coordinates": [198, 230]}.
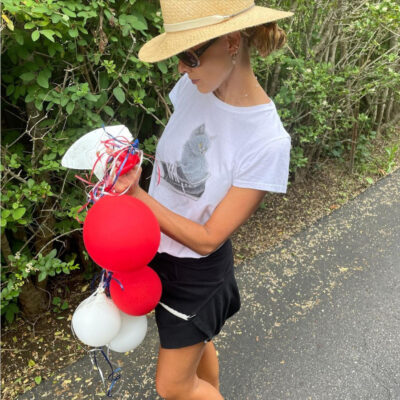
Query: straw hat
{"type": "Point", "coordinates": [191, 22]}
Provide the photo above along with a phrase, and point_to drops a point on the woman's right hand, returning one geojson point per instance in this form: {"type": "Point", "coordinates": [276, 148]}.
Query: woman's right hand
{"type": "Point", "coordinates": [129, 180]}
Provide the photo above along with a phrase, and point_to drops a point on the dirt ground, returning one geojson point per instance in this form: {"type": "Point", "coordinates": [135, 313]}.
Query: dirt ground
{"type": "Point", "coordinates": [36, 350]}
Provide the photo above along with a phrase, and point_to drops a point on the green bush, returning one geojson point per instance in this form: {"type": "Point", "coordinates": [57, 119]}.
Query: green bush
{"type": "Point", "coordinates": [67, 67]}
{"type": "Point", "coordinates": [338, 86]}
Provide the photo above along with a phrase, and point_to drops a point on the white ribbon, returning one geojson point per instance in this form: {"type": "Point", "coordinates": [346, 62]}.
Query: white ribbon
{"type": "Point", "coordinates": [199, 22]}
{"type": "Point", "coordinates": [176, 313]}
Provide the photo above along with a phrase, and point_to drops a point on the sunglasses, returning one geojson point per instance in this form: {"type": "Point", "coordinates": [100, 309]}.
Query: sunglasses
{"type": "Point", "coordinates": [191, 57]}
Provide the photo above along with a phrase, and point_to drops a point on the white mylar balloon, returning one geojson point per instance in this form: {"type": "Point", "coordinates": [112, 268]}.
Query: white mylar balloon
{"type": "Point", "coordinates": [84, 152]}
{"type": "Point", "coordinates": [133, 331]}
{"type": "Point", "coordinates": [96, 320]}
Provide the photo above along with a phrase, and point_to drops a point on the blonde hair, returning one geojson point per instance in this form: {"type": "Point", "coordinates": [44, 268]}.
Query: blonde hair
{"type": "Point", "coordinates": [265, 38]}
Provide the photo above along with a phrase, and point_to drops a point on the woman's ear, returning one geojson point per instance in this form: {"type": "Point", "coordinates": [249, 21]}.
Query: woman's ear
{"type": "Point", "coordinates": [233, 42]}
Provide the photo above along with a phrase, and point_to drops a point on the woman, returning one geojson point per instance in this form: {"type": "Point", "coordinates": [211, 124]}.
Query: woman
{"type": "Point", "coordinates": [222, 149]}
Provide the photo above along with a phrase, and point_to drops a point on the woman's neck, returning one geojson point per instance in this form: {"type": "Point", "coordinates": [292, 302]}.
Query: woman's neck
{"type": "Point", "coordinates": [241, 88]}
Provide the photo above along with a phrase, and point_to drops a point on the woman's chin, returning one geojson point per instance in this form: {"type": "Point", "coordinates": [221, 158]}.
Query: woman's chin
{"type": "Point", "coordinates": [202, 89]}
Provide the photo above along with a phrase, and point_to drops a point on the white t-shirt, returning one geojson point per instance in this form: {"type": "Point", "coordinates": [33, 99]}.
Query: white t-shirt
{"type": "Point", "coordinates": [209, 146]}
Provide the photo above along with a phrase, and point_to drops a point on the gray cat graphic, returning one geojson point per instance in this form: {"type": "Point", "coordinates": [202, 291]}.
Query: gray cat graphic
{"type": "Point", "coordinates": [189, 175]}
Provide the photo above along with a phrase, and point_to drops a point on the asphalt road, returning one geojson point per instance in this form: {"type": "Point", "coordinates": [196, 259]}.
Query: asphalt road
{"type": "Point", "coordinates": [320, 318]}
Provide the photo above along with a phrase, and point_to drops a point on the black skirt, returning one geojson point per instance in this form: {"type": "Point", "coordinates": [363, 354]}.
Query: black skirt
{"type": "Point", "coordinates": [203, 293]}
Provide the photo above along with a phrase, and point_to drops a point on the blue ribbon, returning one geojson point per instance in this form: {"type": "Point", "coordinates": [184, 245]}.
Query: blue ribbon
{"type": "Point", "coordinates": [92, 289]}
{"type": "Point", "coordinates": [106, 286]}
{"type": "Point", "coordinates": [107, 281]}
{"type": "Point", "coordinates": [111, 376]}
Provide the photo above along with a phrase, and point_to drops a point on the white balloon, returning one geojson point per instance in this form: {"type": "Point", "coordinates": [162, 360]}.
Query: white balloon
{"type": "Point", "coordinates": [84, 152]}
{"type": "Point", "coordinates": [96, 320]}
{"type": "Point", "coordinates": [133, 331]}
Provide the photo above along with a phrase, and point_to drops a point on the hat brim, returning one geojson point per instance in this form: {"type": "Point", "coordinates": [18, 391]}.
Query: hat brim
{"type": "Point", "coordinates": [169, 44]}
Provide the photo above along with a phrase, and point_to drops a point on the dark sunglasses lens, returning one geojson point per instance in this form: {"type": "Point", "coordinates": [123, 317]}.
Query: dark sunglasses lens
{"type": "Point", "coordinates": [188, 58]}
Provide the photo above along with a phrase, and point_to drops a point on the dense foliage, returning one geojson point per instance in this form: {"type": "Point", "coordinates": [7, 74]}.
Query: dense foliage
{"type": "Point", "coordinates": [70, 66]}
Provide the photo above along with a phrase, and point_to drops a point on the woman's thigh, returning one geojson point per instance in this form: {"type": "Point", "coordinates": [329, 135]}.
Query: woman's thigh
{"type": "Point", "coordinates": [176, 368]}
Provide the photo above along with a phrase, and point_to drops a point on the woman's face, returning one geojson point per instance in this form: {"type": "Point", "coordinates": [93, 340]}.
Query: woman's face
{"type": "Point", "coordinates": [215, 65]}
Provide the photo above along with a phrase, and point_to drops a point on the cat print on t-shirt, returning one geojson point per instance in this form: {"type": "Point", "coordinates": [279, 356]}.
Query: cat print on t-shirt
{"type": "Point", "coordinates": [188, 176]}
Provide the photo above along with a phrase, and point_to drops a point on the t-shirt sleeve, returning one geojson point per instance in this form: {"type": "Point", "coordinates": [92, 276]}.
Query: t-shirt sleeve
{"type": "Point", "coordinates": [176, 93]}
{"type": "Point", "coordinates": [265, 167]}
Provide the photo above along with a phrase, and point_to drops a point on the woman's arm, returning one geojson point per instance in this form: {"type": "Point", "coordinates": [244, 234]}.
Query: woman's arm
{"type": "Point", "coordinates": [232, 211]}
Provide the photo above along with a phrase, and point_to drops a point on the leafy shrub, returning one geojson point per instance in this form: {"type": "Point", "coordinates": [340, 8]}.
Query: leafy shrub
{"type": "Point", "coordinates": [67, 67]}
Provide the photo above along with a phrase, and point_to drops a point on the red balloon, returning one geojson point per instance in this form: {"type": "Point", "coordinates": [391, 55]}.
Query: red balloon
{"type": "Point", "coordinates": [121, 233]}
{"type": "Point", "coordinates": [141, 293]}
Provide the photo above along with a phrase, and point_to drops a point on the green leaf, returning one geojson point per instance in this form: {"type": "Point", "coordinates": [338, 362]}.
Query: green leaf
{"type": "Point", "coordinates": [42, 23]}
{"type": "Point", "coordinates": [107, 14]}
{"type": "Point", "coordinates": [38, 379]}
{"type": "Point", "coordinates": [163, 68]}
{"type": "Point", "coordinates": [83, 30]}
{"type": "Point", "coordinates": [40, 9]}
{"type": "Point", "coordinates": [19, 38]}
{"type": "Point", "coordinates": [10, 89]}
{"type": "Point", "coordinates": [108, 110]}
{"type": "Point", "coordinates": [70, 108]}
{"type": "Point", "coordinates": [103, 80]}
{"type": "Point", "coordinates": [52, 50]}
{"type": "Point", "coordinates": [29, 25]}
{"type": "Point", "coordinates": [42, 276]}
{"type": "Point", "coordinates": [139, 25]}
{"type": "Point", "coordinates": [18, 213]}
{"type": "Point", "coordinates": [39, 104]}
{"type": "Point", "coordinates": [73, 33]}
{"type": "Point", "coordinates": [68, 12]}
{"type": "Point", "coordinates": [52, 254]}
{"type": "Point", "coordinates": [119, 94]}
{"type": "Point", "coordinates": [30, 97]}
{"type": "Point", "coordinates": [55, 18]}
{"type": "Point", "coordinates": [27, 76]}
{"type": "Point", "coordinates": [96, 58]}
{"type": "Point", "coordinates": [10, 315]}
{"type": "Point", "coordinates": [135, 21]}
{"type": "Point", "coordinates": [64, 101]}
{"type": "Point", "coordinates": [43, 79]}
{"type": "Point", "coordinates": [92, 97]}
{"type": "Point", "coordinates": [35, 35]}
{"type": "Point", "coordinates": [49, 34]}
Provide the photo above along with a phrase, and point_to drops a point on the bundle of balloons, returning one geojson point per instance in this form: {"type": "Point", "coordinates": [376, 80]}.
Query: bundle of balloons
{"type": "Point", "coordinates": [122, 235]}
